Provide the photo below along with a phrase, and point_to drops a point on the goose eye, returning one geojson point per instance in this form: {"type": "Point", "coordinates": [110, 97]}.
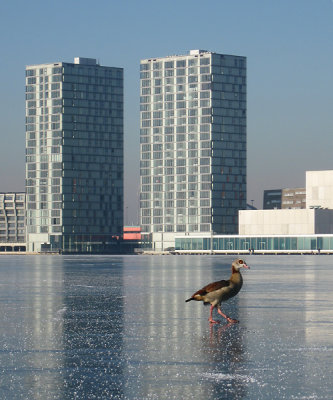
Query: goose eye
{"type": "Point", "coordinates": [241, 262]}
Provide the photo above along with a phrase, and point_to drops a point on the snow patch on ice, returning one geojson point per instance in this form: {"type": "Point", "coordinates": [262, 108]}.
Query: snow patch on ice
{"type": "Point", "coordinates": [324, 349]}
{"type": "Point", "coordinates": [62, 310]}
{"type": "Point", "coordinates": [229, 377]}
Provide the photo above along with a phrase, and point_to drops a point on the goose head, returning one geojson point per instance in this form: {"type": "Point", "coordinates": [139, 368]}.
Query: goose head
{"type": "Point", "coordinates": [239, 263]}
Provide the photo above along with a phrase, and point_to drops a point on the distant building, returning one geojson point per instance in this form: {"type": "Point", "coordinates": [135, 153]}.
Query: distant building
{"type": "Point", "coordinates": [132, 233]}
{"type": "Point", "coordinates": [293, 198]}
{"type": "Point", "coordinates": [193, 145]}
{"type": "Point", "coordinates": [272, 199]}
{"type": "Point", "coordinates": [132, 240]}
{"type": "Point", "coordinates": [284, 198]}
{"type": "Point", "coordinates": [12, 221]}
{"type": "Point", "coordinates": [74, 156]}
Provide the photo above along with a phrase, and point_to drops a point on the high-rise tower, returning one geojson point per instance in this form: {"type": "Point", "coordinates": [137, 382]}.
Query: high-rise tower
{"type": "Point", "coordinates": [193, 145]}
{"type": "Point", "coordinates": [74, 156]}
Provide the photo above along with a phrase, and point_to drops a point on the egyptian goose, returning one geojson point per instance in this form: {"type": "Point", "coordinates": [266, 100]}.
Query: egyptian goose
{"type": "Point", "coordinates": [216, 292]}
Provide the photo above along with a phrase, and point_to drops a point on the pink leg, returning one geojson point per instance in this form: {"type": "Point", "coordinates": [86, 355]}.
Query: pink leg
{"type": "Point", "coordinates": [211, 316]}
{"type": "Point", "coordinates": [232, 321]}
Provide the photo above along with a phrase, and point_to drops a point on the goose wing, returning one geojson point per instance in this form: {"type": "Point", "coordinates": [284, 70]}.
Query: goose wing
{"type": "Point", "coordinates": [211, 287]}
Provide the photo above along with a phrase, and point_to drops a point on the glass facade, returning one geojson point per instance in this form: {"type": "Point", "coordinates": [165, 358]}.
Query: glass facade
{"type": "Point", "coordinates": [282, 244]}
{"type": "Point", "coordinates": [193, 143]}
{"type": "Point", "coordinates": [74, 155]}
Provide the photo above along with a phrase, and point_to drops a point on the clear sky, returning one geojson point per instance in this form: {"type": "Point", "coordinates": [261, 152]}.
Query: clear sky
{"type": "Point", "coordinates": [289, 50]}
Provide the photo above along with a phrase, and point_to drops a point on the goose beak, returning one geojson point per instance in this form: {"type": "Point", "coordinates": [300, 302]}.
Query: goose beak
{"type": "Point", "coordinates": [245, 266]}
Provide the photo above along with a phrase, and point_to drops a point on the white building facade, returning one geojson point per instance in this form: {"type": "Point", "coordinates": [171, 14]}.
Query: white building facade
{"type": "Point", "coordinates": [319, 189]}
{"type": "Point", "coordinates": [74, 156]}
{"type": "Point", "coordinates": [286, 222]}
{"type": "Point", "coordinates": [193, 145]}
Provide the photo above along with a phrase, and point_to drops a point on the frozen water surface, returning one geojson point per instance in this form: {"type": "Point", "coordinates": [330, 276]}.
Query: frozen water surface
{"type": "Point", "coordinates": [102, 327]}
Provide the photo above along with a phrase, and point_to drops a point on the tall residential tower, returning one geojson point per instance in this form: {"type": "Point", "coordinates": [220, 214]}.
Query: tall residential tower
{"type": "Point", "coordinates": [74, 156]}
{"type": "Point", "coordinates": [193, 145]}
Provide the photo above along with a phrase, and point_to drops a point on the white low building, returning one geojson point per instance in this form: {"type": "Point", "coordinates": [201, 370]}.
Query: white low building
{"type": "Point", "coordinates": [317, 218]}
{"type": "Point", "coordinates": [285, 222]}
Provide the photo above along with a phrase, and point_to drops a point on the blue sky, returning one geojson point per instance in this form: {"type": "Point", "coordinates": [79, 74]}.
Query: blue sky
{"type": "Point", "coordinates": [288, 44]}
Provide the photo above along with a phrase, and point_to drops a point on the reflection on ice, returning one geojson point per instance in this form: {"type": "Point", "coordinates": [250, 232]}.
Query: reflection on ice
{"type": "Point", "coordinates": [118, 327]}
